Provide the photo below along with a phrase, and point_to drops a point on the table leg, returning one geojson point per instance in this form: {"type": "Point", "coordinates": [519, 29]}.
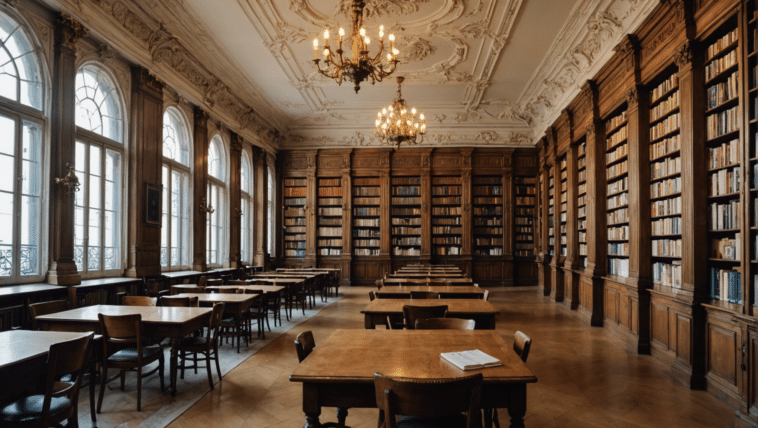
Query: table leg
{"type": "Point", "coordinates": [517, 406]}
{"type": "Point", "coordinates": [311, 420]}
{"type": "Point", "coordinates": [368, 322]}
{"type": "Point", "coordinates": [173, 365]}
{"type": "Point", "coordinates": [341, 416]}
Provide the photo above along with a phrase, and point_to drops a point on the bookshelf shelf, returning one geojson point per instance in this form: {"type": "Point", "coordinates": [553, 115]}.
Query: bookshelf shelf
{"type": "Point", "coordinates": [406, 216]}
{"type": "Point", "coordinates": [525, 192]}
{"type": "Point", "coordinates": [617, 211]}
{"type": "Point", "coordinates": [329, 220]}
{"type": "Point", "coordinates": [447, 231]}
{"type": "Point", "coordinates": [581, 160]}
{"type": "Point", "coordinates": [366, 216]}
{"type": "Point", "coordinates": [294, 217]}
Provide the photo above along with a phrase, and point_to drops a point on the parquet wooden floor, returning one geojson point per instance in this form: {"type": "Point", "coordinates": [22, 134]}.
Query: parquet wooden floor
{"type": "Point", "coordinates": [587, 377]}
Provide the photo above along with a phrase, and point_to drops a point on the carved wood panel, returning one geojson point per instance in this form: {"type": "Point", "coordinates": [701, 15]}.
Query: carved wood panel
{"type": "Point", "coordinates": [722, 353]}
{"type": "Point", "coordinates": [659, 333]}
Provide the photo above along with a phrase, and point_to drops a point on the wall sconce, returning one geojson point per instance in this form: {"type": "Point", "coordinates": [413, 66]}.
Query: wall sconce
{"type": "Point", "coordinates": [205, 208]}
{"type": "Point", "coordinates": [71, 181]}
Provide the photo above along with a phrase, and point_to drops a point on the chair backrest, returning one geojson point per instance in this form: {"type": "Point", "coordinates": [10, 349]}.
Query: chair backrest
{"type": "Point", "coordinates": [202, 281]}
{"type": "Point", "coordinates": [444, 324]}
{"type": "Point", "coordinates": [371, 295]}
{"type": "Point", "coordinates": [65, 358]}
{"type": "Point", "coordinates": [228, 290]}
{"type": "Point", "coordinates": [215, 281]}
{"type": "Point", "coordinates": [45, 308]}
{"type": "Point", "coordinates": [194, 290]}
{"type": "Point", "coordinates": [183, 301]}
{"type": "Point", "coordinates": [425, 294]}
{"type": "Point", "coordinates": [412, 313]}
{"type": "Point", "coordinates": [428, 397]}
{"type": "Point", "coordinates": [304, 344]}
{"type": "Point", "coordinates": [521, 344]}
{"type": "Point", "coordinates": [121, 330]}
{"type": "Point", "coordinates": [217, 315]}
{"type": "Point", "coordinates": [237, 282]}
{"type": "Point", "coordinates": [486, 295]}
{"type": "Point", "coordinates": [139, 301]}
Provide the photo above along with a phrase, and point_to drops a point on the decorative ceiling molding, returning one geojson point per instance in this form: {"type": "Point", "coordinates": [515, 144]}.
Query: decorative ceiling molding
{"type": "Point", "coordinates": [580, 50]}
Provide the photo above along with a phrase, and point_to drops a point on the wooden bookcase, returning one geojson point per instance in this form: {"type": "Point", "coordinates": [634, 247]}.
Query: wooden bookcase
{"type": "Point", "coordinates": [294, 198]}
{"type": "Point", "coordinates": [581, 202]}
{"type": "Point", "coordinates": [329, 219]}
{"type": "Point", "coordinates": [406, 216]}
{"type": "Point", "coordinates": [366, 216]}
{"type": "Point", "coordinates": [666, 182]}
{"type": "Point", "coordinates": [617, 203]}
{"type": "Point", "coordinates": [524, 216]}
{"type": "Point", "coordinates": [488, 215]}
{"type": "Point", "coordinates": [564, 207]}
{"type": "Point", "coordinates": [446, 216]}
{"type": "Point", "coordinates": [551, 213]}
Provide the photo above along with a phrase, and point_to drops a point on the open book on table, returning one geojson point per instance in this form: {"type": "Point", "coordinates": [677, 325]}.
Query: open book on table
{"type": "Point", "coordinates": [471, 360]}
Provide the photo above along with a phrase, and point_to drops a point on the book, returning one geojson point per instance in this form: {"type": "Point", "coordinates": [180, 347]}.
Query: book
{"type": "Point", "coordinates": [471, 360]}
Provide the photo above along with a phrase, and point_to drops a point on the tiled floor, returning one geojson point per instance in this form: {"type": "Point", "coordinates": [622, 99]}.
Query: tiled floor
{"type": "Point", "coordinates": [587, 377]}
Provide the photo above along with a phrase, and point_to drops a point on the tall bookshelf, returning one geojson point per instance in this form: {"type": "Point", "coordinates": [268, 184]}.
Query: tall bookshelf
{"type": "Point", "coordinates": [617, 204]}
{"type": "Point", "coordinates": [752, 150]}
{"type": "Point", "coordinates": [551, 212]}
{"type": "Point", "coordinates": [294, 196]}
{"type": "Point", "coordinates": [446, 215]}
{"type": "Point", "coordinates": [488, 215]}
{"type": "Point", "coordinates": [366, 212]}
{"type": "Point", "coordinates": [723, 118]}
{"type": "Point", "coordinates": [329, 220]}
{"type": "Point", "coordinates": [564, 207]}
{"type": "Point", "coordinates": [666, 182]}
{"type": "Point", "coordinates": [523, 219]}
{"type": "Point", "coordinates": [581, 222]}
{"type": "Point", "coordinates": [406, 216]}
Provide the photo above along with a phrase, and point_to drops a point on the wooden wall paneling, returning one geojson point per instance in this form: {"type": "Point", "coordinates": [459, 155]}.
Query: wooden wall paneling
{"type": "Point", "coordinates": [426, 206]}
{"type": "Point", "coordinates": [724, 343]}
{"type": "Point", "coordinates": [466, 215]}
{"type": "Point", "coordinates": [145, 163]}
{"type": "Point", "coordinates": [259, 204]}
{"type": "Point", "coordinates": [310, 259]}
{"type": "Point", "coordinates": [235, 210]}
{"type": "Point", "coordinates": [200, 183]}
{"type": "Point", "coordinates": [571, 263]}
{"type": "Point", "coordinates": [62, 268]}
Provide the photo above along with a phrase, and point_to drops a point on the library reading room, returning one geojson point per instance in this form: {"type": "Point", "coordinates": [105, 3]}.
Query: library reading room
{"type": "Point", "coordinates": [378, 213]}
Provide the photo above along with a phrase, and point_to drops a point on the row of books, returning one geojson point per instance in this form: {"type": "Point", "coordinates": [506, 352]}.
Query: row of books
{"type": "Point", "coordinates": [582, 225]}
{"type": "Point", "coordinates": [330, 221]}
{"type": "Point", "coordinates": [523, 211]}
{"type": "Point", "coordinates": [329, 231]}
{"type": "Point", "coordinates": [523, 200]}
{"type": "Point", "coordinates": [719, 65]}
{"type": "Point", "coordinates": [364, 211]}
{"type": "Point", "coordinates": [583, 252]}
{"type": "Point", "coordinates": [447, 230]}
{"type": "Point", "coordinates": [619, 200]}
{"type": "Point", "coordinates": [723, 91]}
{"type": "Point", "coordinates": [436, 180]}
{"type": "Point", "coordinates": [615, 121]}
{"type": "Point", "coordinates": [522, 220]}
{"type": "Point", "coordinates": [726, 285]}
{"type": "Point", "coordinates": [366, 242]}
{"type": "Point", "coordinates": [366, 191]}
{"type": "Point", "coordinates": [668, 274]}
{"type": "Point", "coordinates": [406, 221]}
{"type": "Point", "coordinates": [727, 248]}
{"type": "Point", "coordinates": [582, 236]}
{"type": "Point", "coordinates": [665, 107]}
{"type": "Point", "coordinates": [666, 207]}
{"type": "Point", "coordinates": [365, 233]}
{"type": "Point", "coordinates": [446, 190]}
{"type": "Point", "coordinates": [724, 155]}
{"type": "Point", "coordinates": [403, 230]}
{"type": "Point", "coordinates": [488, 241]}
{"type": "Point", "coordinates": [621, 152]}
{"type": "Point", "coordinates": [295, 229]}
{"type": "Point", "coordinates": [366, 251]}
{"type": "Point", "coordinates": [330, 191]}
{"type": "Point", "coordinates": [498, 190]}
{"type": "Point", "coordinates": [295, 182]}
{"type": "Point", "coordinates": [366, 222]}
{"type": "Point", "coordinates": [298, 237]}
{"type": "Point", "coordinates": [484, 180]}
{"type": "Point", "coordinates": [563, 216]}
{"type": "Point", "coordinates": [448, 240]}
{"type": "Point", "coordinates": [619, 137]}
{"type": "Point", "coordinates": [666, 126]}
{"type": "Point", "coordinates": [446, 251]}
{"type": "Point", "coordinates": [582, 175]}
{"type": "Point", "coordinates": [617, 170]}
{"type": "Point", "coordinates": [581, 162]}
{"type": "Point", "coordinates": [329, 251]}
{"type": "Point", "coordinates": [405, 190]}
{"type": "Point", "coordinates": [329, 182]}
{"type": "Point", "coordinates": [618, 267]}
{"type": "Point", "coordinates": [366, 201]}
{"type": "Point", "coordinates": [449, 200]}
{"type": "Point", "coordinates": [406, 252]}
{"type": "Point", "coordinates": [329, 242]}
{"type": "Point", "coordinates": [495, 252]}
{"type": "Point", "coordinates": [497, 221]}
{"type": "Point", "coordinates": [618, 233]}
{"type": "Point", "coordinates": [665, 86]}
{"type": "Point", "coordinates": [666, 226]}
{"type": "Point", "coordinates": [721, 44]}
{"type": "Point", "coordinates": [363, 181]}
{"type": "Point", "coordinates": [294, 253]}
{"type": "Point", "coordinates": [294, 201]}
{"type": "Point", "coordinates": [667, 248]}
{"type": "Point", "coordinates": [724, 181]}
{"type": "Point", "coordinates": [617, 186]}
{"type": "Point", "coordinates": [667, 187]}
{"type": "Point", "coordinates": [290, 192]}
{"type": "Point", "coordinates": [294, 212]}
{"type": "Point", "coordinates": [722, 123]}
{"type": "Point", "coordinates": [497, 210]}
{"type": "Point", "coordinates": [582, 188]}
{"type": "Point", "coordinates": [406, 241]}
{"type": "Point", "coordinates": [406, 201]}
{"type": "Point", "coordinates": [664, 147]}
{"type": "Point", "coordinates": [330, 211]}
{"type": "Point", "coordinates": [294, 244]}
{"type": "Point", "coordinates": [724, 216]}
{"type": "Point", "coordinates": [618, 216]}
{"type": "Point", "coordinates": [296, 221]}
{"type": "Point", "coordinates": [446, 221]}
{"type": "Point", "coordinates": [406, 181]}
{"type": "Point", "coordinates": [666, 167]}
{"type": "Point", "coordinates": [499, 230]}
{"type": "Point", "coordinates": [330, 201]}
{"type": "Point", "coordinates": [582, 211]}
{"type": "Point", "coordinates": [446, 210]}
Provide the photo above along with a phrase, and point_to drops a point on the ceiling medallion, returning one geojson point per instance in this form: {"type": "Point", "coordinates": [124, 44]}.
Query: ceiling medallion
{"type": "Point", "coordinates": [396, 125]}
{"type": "Point", "coordinates": [361, 67]}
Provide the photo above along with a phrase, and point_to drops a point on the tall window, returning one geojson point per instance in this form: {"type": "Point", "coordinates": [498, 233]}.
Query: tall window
{"type": "Point", "coordinates": [247, 229]}
{"type": "Point", "coordinates": [271, 210]}
{"type": "Point", "coordinates": [21, 150]}
{"type": "Point", "coordinates": [99, 166]}
{"type": "Point", "coordinates": [177, 197]}
{"type": "Point", "coordinates": [216, 241]}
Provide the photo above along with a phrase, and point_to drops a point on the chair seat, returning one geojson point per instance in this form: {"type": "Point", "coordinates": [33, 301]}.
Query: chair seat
{"type": "Point", "coordinates": [28, 410]}
{"type": "Point", "coordinates": [454, 421]}
{"type": "Point", "coordinates": [193, 342]}
{"type": "Point", "coordinates": [130, 354]}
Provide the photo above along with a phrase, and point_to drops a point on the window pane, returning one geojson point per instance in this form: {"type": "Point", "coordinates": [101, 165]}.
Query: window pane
{"type": "Point", "coordinates": [79, 238]}
{"type": "Point", "coordinates": [113, 181]}
{"type": "Point", "coordinates": [93, 240]}
{"type": "Point", "coordinates": [186, 224]}
{"type": "Point", "coordinates": [7, 182]}
{"type": "Point", "coordinates": [6, 233]}
{"type": "Point", "coordinates": [94, 192]}
{"type": "Point", "coordinates": [7, 135]}
{"type": "Point", "coordinates": [31, 183]}
{"type": "Point", "coordinates": [97, 103]}
{"type": "Point", "coordinates": [112, 254]}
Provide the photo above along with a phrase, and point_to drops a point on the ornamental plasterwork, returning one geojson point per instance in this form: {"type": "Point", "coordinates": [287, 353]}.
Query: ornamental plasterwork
{"type": "Point", "coordinates": [359, 139]}
{"type": "Point", "coordinates": [380, 8]}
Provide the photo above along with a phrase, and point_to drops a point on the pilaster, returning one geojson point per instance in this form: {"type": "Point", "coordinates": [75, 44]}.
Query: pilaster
{"type": "Point", "coordinates": [200, 202]}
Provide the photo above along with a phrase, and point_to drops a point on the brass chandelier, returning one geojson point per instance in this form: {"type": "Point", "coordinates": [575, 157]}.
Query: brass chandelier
{"type": "Point", "coordinates": [360, 67]}
{"type": "Point", "coordinates": [396, 124]}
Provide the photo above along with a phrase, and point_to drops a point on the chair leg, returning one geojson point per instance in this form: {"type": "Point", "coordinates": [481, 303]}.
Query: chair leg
{"type": "Point", "coordinates": [104, 379]}
{"type": "Point", "coordinates": [494, 418]}
{"type": "Point", "coordinates": [92, 380]}
{"type": "Point", "coordinates": [161, 367]}
{"type": "Point", "coordinates": [208, 366]}
{"type": "Point", "coordinates": [182, 358]}
{"type": "Point", "coordinates": [123, 378]}
{"type": "Point", "coordinates": [218, 367]}
{"type": "Point", "coordinates": [139, 389]}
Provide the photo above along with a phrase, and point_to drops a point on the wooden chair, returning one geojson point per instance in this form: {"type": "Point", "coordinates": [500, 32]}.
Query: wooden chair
{"type": "Point", "coordinates": [425, 295]}
{"type": "Point", "coordinates": [46, 308]}
{"type": "Point", "coordinates": [228, 290]}
{"type": "Point", "coordinates": [207, 346]}
{"type": "Point", "coordinates": [444, 324]}
{"type": "Point", "coordinates": [214, 281]}
{"type": "Point", "coordinates": [304, 344]}
{"type": "Point", "coordinates": [486, 295]}
{"type": "Point", "coordinates": [202, 281]}
{"type": "Point", "coordinates": [428, 402]}
{"type": "Point", "coordinates": [125, 332]}
{"type": "Point", "coordinates": [258, 312]}
{"type": "Point", "coordinates": [522, 343]}
{"type": "Point", "coordinates": [181, 302]}
{"type": "Point", "coordinates": [372, 295]}
{"type": "Point", "coordinates": [59, 403]}
{"type": "Point", "coordinates": [412, 313]}
{"type": "Point", "coordinates": [139, 301]}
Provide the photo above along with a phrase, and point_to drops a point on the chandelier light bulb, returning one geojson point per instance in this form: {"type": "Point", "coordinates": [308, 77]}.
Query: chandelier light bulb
{"type": "Point", "coordinates": [392, 37]}
{"type": "Point", "coordinates": [326, 34]}
{"type": "Point", "coordinates": [422, 116]}
{"type": "Point", "coordinates": [362, 32]}
{"type": "Point", "coordinates": [342, 32]}
{"type": "Point", "coordinates": [384, 110]}
{"type": "Point", "coordinates": [395, 52]}
{"type": "Point", "coordinates": [366, 40]}
{"type": "Point", "coordinates": [413, 111]}
{"type": "Point", "coordinates": [315, 43]}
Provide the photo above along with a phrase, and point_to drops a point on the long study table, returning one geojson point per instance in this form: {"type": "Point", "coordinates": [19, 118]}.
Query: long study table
{"type": "Point", "coordinates": [482, 312]}
{"type": "Point", "coordinates": [446, 291]}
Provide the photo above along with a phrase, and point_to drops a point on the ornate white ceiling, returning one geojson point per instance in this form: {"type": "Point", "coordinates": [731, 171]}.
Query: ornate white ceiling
{"type": "Point", "coordinates": [485, 72]}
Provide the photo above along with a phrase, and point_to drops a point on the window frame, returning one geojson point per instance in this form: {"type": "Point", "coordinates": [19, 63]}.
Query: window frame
{"type": "Point", "coordinates": [220, 206]}
{"type": "Point", "coordinates": [247, 200]}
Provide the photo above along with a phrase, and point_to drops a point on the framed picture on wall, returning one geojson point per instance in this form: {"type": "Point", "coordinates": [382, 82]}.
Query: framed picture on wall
{"type": "Point", "coordinates": [153, 204]}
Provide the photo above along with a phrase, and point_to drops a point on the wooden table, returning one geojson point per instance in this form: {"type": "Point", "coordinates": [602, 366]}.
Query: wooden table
{"type": "Point", "coordinates": [432, 281]}
{"type": "Point", "coordinates": [340, 370]}
{"type": "Point", "coordinates": [262, 288]}
{"type": "Point", "coordinates": [476, 309]}
{"type": "Point", "coordinates": [23, 359]}
{"type": "Point", "coordinates": [426, 275]}
{"type": "Point", "coordinates": [234, 305]}
{"type": "Point", "coordinates": [157, 321]}
{"type": "Point", "coordinates": [446, 291]}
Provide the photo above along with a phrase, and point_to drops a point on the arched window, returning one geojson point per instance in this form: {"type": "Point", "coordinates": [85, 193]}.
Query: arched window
{"type": "Point", "coordinates": [215, 237]}
{"type": "Point", "coordinates": [176, 243]}
{"type": "Point", "coordinates": [21, 155]}
{"type": "Point", "coordinates": [98, 231]}
{"type": "Point", "coordinates": [248, 227]}
{"type": "Point", "coordinates": [271, 210]}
